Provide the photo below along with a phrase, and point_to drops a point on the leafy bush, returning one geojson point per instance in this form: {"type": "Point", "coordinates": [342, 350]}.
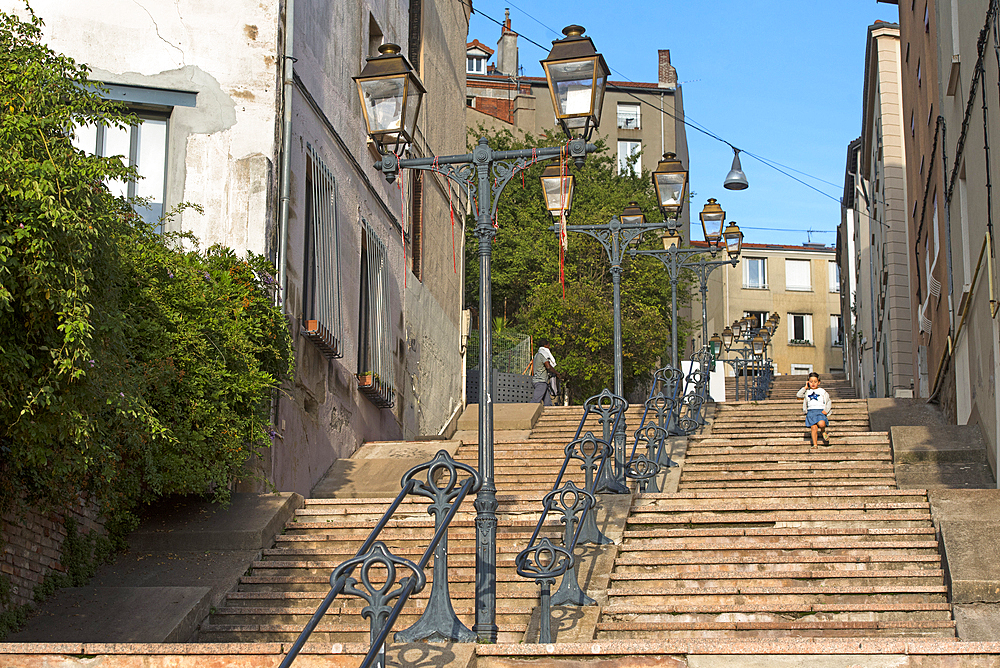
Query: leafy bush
{"type": "Point", "coordinates": [135, 364]}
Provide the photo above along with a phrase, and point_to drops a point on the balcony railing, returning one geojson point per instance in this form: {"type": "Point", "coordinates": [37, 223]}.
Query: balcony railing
{"type": "Point", "coordinates": [628, 122]}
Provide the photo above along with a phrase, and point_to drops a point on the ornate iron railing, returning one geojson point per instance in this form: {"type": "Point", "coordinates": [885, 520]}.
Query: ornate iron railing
{"type": "Point", "coordinates": [438, 621]}
{"type": "Point", "coordinates": [544, 561]}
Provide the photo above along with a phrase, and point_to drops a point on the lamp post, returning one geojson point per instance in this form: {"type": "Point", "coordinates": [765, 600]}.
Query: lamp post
{"type": "Point", "coordinates": [674, 259]}
{"type": "Point", "coordinates": [616, 236]}
{"type": "Point", "coordinates": [391, 95]}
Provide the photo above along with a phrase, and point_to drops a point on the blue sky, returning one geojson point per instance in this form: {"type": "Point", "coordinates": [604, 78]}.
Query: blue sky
{"type": "Point", "coordinates": [780, 79]}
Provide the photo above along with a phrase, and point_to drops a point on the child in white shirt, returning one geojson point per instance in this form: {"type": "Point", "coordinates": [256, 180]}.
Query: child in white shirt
{"type": "Point", "coordinates": [817, 406]}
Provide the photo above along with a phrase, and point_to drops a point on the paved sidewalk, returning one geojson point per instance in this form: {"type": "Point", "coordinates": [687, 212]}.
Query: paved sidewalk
{"type": "Point", "coordinates": [181, 562]}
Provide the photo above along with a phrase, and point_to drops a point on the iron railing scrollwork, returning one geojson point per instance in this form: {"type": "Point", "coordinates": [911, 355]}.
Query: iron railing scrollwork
{"type": "Point", "coordinates": [446, 490]}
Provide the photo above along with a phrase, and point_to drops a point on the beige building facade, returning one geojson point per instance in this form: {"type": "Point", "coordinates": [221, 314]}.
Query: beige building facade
{"type": "Point", "coordinates": [799, 283]}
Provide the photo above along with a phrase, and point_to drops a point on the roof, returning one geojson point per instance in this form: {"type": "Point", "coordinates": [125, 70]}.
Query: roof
{"type": "Point", "coordinates": [476, 44]}
{"type": "Point", "coordinates": [812, 248]}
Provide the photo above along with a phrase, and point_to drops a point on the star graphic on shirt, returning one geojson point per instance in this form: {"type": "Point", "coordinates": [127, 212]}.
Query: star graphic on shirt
{"type": "Point", "coordinates": [814, 395]}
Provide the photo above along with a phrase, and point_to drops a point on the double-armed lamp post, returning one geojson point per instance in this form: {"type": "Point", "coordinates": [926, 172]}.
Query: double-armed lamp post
{"type": "Point", "coordinates": [391, 96]}
{"type": "Point", "coordinates": [718, 236]}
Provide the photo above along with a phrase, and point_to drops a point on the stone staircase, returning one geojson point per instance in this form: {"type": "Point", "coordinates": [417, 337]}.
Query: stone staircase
{"type": "Point", "coordinates": [786, 385]}
{"type": "Point", "coordinates": [768, 537]}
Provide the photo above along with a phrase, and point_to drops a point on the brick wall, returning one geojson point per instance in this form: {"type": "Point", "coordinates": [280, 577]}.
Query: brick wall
{"type": "Point", "coordinates": [32, 545]}
{"type": "Point", "coordinates": [502, 109]}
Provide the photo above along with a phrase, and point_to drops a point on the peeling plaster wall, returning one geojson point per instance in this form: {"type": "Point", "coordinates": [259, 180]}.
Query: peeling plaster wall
{"type": "Point", "coordinates": [222, 151]}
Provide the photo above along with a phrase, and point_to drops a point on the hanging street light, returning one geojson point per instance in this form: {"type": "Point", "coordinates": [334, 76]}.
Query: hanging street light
{"type": "Point", "coordinates": [727, 338]}
{"type": "Point", "coordinates": [736, 179]}
{"type": "Point", "coordinates": [391, 97]}
{"type": "Point", "coordinates": [670, 181]}
{"type": "Point", "coordinates": [577, 76]}
{"type": "Point", "coordinates": [633, 215]}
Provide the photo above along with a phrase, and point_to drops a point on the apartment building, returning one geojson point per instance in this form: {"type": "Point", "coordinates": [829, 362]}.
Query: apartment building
{"type": "Point", "coordinates": [799, 283]}
{"type": "Point", "coordinates": [882, 360]}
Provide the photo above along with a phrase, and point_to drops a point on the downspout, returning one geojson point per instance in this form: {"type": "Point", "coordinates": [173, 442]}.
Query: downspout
{"type": "Point", "coordinates": [285, 171]}
{"type": "Point", "coordinates": [286, 149]}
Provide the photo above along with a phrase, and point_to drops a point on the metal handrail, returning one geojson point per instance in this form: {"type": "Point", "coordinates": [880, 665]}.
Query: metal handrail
{"type": "Point", "coordinates": [373, 550]}
{"type": "Point", "coordinates": [543, 561]}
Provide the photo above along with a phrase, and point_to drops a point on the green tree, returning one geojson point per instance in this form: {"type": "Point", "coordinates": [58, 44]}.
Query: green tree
{"type": "Point", "coordinates": [133, 367]}
{"type": "Point", "coordinates": [526, 267]}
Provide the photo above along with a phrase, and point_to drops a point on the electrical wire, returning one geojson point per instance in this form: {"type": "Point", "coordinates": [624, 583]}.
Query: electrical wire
{"type": "Point", "coordinates": [776, 166]}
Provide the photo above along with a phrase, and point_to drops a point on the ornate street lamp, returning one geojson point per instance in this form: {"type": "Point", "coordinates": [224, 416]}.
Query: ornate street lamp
{"type": "Point", "coordinates": [577, 76]}
{"type": "Point", "coordinates": [670, 180]}
{"type": "Point", "coordinates": [712, 218]}
{"type": "Point", "coordinates": [633, 215]}
{"type": "Point", "coordinates": [391, 95]}
{"type": "Point", "coordinates": [557, 184]}
{"type": "Point", "coordinates": [727, 338]}
{"type": "Point", "coordinates": [737, 329]}
{"type": "Point", "coordinates": [734, 240]}
{"type": "Point", "coordinates": [758, 344]}
{"type": "Point", "coordinates": [672, 239]}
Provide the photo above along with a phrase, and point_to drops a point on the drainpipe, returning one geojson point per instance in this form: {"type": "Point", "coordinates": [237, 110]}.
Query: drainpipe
{"type": "Point", "coordinates": [286, 149]}
{"type": "Point", "coordinates": [286, 172]}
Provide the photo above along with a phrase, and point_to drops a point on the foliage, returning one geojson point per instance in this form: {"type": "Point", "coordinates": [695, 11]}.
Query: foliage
{"type": "Point", "coordinates": [579, 324]}
{"type": "Point", "coordinates": [135, 367]}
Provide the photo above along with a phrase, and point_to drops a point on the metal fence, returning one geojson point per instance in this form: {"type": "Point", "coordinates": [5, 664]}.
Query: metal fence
{"type": "Point", "coordinates": [511, 352]}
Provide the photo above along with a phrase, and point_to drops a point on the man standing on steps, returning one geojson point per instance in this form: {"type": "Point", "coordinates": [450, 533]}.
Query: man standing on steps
{"type": "Point", "coordinates": [544, 364]}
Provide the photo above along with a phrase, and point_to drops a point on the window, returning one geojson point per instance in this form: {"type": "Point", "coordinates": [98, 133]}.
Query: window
{"type": "Point", "coordinates": [375, 372]}
{"type": "Point", "coordinates": [628, 152]}
{"type": "Point", "coordinates": [800, 328]}
{"type": "Point", "coordinates": [755, 273]}
{"type": "Point", "coordinates": [836, 331]}
{"type": "Point", "coordinates": [628, 116]}
{"type": "Point", "coordinates": [144, 146]}
{"type": "Point", "coordinates": [470, 101]}
{"type": "Point", "coordinates": [798, 275]}
{"type": "Point", "coordinates": [801, 369]}
{"type": "Point", "coordinates": [375, 36]}
{"type": "Point", "coordinates": [321, 293]}
{"type": "Point", "coordinates": [475, 65]}
{"type": "Point", "coordinates": [834, 276]}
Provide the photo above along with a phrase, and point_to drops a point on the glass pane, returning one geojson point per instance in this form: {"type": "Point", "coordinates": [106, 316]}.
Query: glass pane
{"type": "Point", "coordinates": [118, 141]}
{"type": "Point", "coordinates": [671, 189]}
{"type": "Point", "coordinates": [85, 138]}
{"type": "Point", "coordinates": [712, 224]}
{"type": "Point", "coordinates": [553, 188]}
{"type": "Point", "coordinates": [599, 83]}
{"type": "Point", "coordinates": [383, 99]}
{"type": "Point", "coordinates": [412, 109]}
{"type": "Point", "coordinates": [573, 83]}
{"type": "Point", "coordinates": [151, 159]}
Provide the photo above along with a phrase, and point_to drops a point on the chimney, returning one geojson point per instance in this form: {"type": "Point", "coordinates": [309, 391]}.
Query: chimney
{"type": "Point", "coordinates": [506, 63]}
{"type": "Point", "coordinates": [668, 75]}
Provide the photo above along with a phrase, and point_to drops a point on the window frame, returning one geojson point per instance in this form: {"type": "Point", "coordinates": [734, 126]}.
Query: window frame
{"type": "Point", "coordinates": [624, 118]}
{"type": "Point", "coordinates": [807, 329]}
{"type": "Point", "coordinates": [638, 151]}
{"type": "Point", "coordinates": [746, 273]}
{"type": "Point", "coordinates": [797, 288]}
{"type": "Point", "coordinates": [374, 322]}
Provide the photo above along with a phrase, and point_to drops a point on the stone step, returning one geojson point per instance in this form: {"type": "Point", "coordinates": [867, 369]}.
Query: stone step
{"type": "Point", "coordinates": [326, 632]}
{"type": "Point", "coordinates": [298, 616]}
{"type": "Point", "coordinates": [791, 494]}
{"type": "Point", "coordinates": [698, 581]}
{"type": "Point", "coordinates": [766, 505]}
{"type": "Point", "coordinates": [866, 483]}
{"type": "Point", "coordinates": [651, 593]}
{"type": "Point", "coordinates": [764, 629]}
{"type": "Point", "coordinates": [628, 561]}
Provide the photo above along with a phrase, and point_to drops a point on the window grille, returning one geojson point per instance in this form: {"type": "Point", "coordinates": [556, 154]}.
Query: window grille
{"type": "Point", "coordinates": [375, 372]}
{"type": "Point", "coordinates": [321, 296]}
{"type": "Point", "coordinates": [628, 116]}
